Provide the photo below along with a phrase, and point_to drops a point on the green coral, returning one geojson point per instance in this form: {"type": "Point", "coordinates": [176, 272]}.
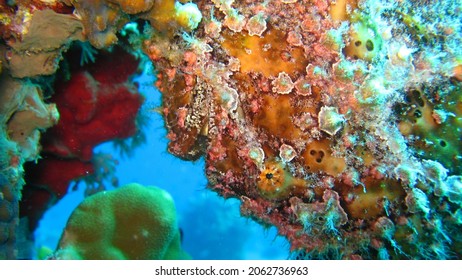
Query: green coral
{"type": "Point", "coordinates": [131, 222]}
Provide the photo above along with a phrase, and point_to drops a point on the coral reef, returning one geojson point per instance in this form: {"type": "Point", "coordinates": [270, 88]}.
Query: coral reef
{"type": "Point", "coordinates": [130, 222]}
{"type": "Point", "coordinates": [41, 42]}
{"type": "Point", "coordinates": [23, 114]}
{"type": "Point", "coordinates": [35, 36]}
{"type": "Point", "coordinates": [329, 120]}
{"type": "Point", "coordinates": [96, 105]}
{"type": "Point", "coordinates": [338, 122]}
{"type": "Point", "coordinates": [102, 19]}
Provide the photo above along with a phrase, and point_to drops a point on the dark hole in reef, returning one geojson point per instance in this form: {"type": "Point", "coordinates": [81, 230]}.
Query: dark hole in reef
{"type": "Point", "coordinates": [358, 43]}
{"type": "Point", "coordinates": [369, 45]}
{"type": "Point", "coordinates": [12, 4]}
{"type": "Point", "coordinates": [407, 99]}
{"type": "Point", "coordinates": [417, 113]}
{"type": "Point", "coordinates": [424, 40]}
{"type": "Point", "coordinates": [401, 109]}
{"type": "Point", "coordinates": [269, 176]}
{"type": "Point", "coordinates": [321, 155]}
{"type": "Point", "coordinates": [355, 57]}
{"type": "Point", "coordinates": [418, 97]}
{"type": "Point", "coordinates": [141, 24]}
{"type": "Point", "coordinates": [420, 102]}
{"type": "Point", "coordinates": [443, 143]}
{"type": "Point", "coordinates": [312, 152]}
{"type": "Point", "coordinates": [415, 93]}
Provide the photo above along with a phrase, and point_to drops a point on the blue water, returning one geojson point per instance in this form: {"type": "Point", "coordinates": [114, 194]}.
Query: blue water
{"type": "Point", "coordinates": [212, 226]}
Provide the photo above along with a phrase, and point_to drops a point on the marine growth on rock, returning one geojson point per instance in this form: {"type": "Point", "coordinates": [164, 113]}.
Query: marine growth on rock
{"type": "Point", "coordinates": [337, 122]}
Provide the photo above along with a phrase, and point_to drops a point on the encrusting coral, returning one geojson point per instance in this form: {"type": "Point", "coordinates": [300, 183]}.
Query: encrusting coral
{"type": "Point", "coordinates": [34, 36]}
{"type": "Point", "coordinates": [301, 111]}
{"type": "Point", "coordinates": [48, 35]}
{"type": "Point", "coordinates": [23, 115]}
{"type": "Point", "coordinates": [102, 19]}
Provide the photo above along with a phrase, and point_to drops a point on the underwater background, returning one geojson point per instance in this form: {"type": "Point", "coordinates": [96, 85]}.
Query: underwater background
{"type": "Point", "coordinates": [223, 129]}
{"type": "Point", "coordinates": [212, 227]}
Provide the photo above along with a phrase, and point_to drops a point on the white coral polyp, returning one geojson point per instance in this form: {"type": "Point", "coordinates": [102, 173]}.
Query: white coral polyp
{"type": "Point", "coordinates": [330, 121]}
{"type": "Point", "coordinates": [188, 15]}
{"type": "Point", "coordinates": [283, 84]}
{"type": "Point", "coordinates": [287, 153]}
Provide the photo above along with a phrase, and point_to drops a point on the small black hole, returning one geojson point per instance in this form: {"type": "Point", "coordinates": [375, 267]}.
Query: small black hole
{"type": "Point", "coordinates": [312, 152]}
{"type": "Point", "coordinates": [418, 97]}
{"type": "Point", "coordinates": [417, 114]}
{"type": "Point", "coordinates": [358, 43]}
{"type": "Point", "coordinates": [407, 99]}
{"type": "Point", "coordinates": [443, 143]}
{"type": "Point", "coordinates": [415, 93]}
{"type": "Point", "coordinates": [369, 45]}
{"type": "Point", "coordinates": [269, 176]}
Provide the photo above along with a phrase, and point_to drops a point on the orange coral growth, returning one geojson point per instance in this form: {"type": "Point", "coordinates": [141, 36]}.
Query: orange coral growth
{"type": "Point", "coordinates": [293, 106]}
{"type": "Point", "coordinates": [268, 55]}
{"type": "Point", "coordinates": [134, 7]}
{"type": "Point", "coordinates": [276, 115]}
{"type": "Point", "coordinates": [374, 200]}
{"type": "Point", "coordinates": [318, 157]}
{"type": "Point", "coordinates": [161, 15]}
{"type": "Point", "coordinates": [275, 182]}
{"type": "Point", "coordinates": [102, 19]}
{"type": "Point", "coordinates": [341, 9]}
